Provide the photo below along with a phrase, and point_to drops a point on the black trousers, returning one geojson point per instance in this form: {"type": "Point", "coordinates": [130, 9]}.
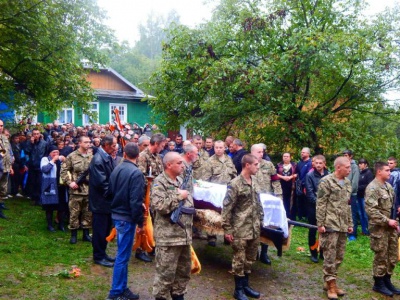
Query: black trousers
{"type": "Point", "coordinates": [34, 184]}
{"type": "Point", "coordinates": [101, 227]}
{"type": "Point", "coordinates": [312, 219]}
{"type": "Point", "coordinates": [16, 180]}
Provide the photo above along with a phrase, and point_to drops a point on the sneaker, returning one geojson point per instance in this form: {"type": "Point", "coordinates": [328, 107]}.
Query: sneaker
{"type": "Point", "coordinates": [352, 238]}
{"type": "Point", "coordinates": [19, 195]}
{"type": "Point", "coordinates": [129, 295]}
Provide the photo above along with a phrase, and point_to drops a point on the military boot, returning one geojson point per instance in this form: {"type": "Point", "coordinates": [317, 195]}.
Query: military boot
{"type": "Point", "coordinates": [74, 233]}
{"type": "Point", "coordinates": [248, 290]}
{"type": "Point", "coordinates": [380, 287]}
{"type": "Point", "coordinates": [239, 291]}
{"type": "Point", "coordinates": [86, 237]}
{"type": "Point", "coordinates": [339, 291]}
{"type": "Point", "coordinates": [388, 283]}
{"type": "Point", "coordinates": [264, 255]}
{"type": "Point", "coordinates": [331, 292]}
{"type": "Point", "coordinates": [177, 297]}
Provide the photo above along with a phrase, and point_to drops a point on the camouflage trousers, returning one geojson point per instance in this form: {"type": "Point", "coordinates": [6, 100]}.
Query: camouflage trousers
{"type": "Point", "coordinates": [79, 212]}
{"type": "Point", "coordinates": [244, 255]}
{"type": "Point", "coordinates": [277, 188]}
{"type": "Point", "coordinates": [173, 265]}
{"type": "Point", "coordinates": [333, 244]}
{"type": "Point", "coordinates": [384, 242]}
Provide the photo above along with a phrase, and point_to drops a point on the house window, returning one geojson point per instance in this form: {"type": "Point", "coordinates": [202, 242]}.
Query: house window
{"type": "Point", "coordinates": [94, 108]}
{"type": "Point", "coordinates": [66, 115]}
{"type": "Point", "coordinates": [123, 112]}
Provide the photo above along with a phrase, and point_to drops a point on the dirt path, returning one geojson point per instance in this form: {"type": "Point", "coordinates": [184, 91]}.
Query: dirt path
{"type": "Point", "coordinates": [215, 282]}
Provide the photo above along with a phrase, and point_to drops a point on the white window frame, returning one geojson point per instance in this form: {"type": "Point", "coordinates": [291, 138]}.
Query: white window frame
{"type": "Point", "coordinates": [64, 111]}
{"type": "Point", "coordinates": [124, 117]}
{"type": "Point", "coordinates": [84, 116]}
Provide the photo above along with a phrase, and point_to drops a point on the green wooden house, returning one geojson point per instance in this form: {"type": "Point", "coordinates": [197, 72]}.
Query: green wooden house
{"type": "Point", "coordinates": [112, 90]}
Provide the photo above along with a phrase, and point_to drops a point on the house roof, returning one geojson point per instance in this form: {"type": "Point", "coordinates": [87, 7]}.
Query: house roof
{"type": "Point", "coordinates": [136, 93]}
{"type": "Point", "coordinates": [118, 94]}
{"type": "Point", "coordinates": [139, 92]}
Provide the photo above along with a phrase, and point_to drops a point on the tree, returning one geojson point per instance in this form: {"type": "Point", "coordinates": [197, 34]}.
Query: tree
{"type": "Point", "coordinates": [137, 63]}
{"type": "Point", "coordinates": [154, 34]}
{"type": "Point", "coordinates": [43, 45]}
{"type": "Point", "coordinates": [291, 73]}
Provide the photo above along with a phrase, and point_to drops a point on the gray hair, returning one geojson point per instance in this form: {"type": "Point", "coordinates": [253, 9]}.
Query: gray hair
{"type": "Point", "coordinates": [157, 138]}
{"type": "Point", "coordinates": [170, 156]}
{"type": "Point", "coordinates": [340, 161]}
{"type": "Point", "coordinates": [142, 139]}
{"type": "Point", "coordinates": [189, 148]}
{"type": "Point", "coordinates": [256, 146]}
{"type": "Point", "coordinates": [306, 149]}
{"type": "Point", "coordinates": [238, 142]}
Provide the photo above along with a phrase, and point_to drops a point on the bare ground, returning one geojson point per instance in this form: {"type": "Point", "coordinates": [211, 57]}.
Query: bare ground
{"type": "Point", "coordinates": [289, 277]}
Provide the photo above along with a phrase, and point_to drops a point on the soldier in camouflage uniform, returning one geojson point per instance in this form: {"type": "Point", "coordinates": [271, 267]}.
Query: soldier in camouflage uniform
{"type": "Point", "coordinates": [242, 216]}
{"type": "Point", "coordinates": [379, 204]}
{"type": "Point", "coordinates": [201, 162]}
{"type": "Point", "coordinates": [219, 169]}
{"type": "Point", "coordinates": [190, 156]}
{"type": "Point", "coordinates": [6, 169]}
{"type": "Point", "coordinates": [334, 221]}
{"type": "Point", "coordinates": [173, 253]}
{"type": "Point", "coordinates": [150, 163]}
{"type": "Point", "coordinates": [263, 176]}
{"type": "Point", "coordinates": [72, 168]}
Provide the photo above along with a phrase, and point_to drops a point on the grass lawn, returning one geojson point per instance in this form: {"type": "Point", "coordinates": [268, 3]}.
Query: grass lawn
{"type": "Point", "coordinates": [32, 259]}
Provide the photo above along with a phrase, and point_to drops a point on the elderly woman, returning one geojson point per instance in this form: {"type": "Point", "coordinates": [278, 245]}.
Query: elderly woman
{"type": "Point", "coordinates": [49, 195]}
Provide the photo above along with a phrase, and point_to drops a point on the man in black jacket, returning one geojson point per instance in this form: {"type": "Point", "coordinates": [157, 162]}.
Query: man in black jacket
{"type": "Point", "coordinates": [100, 170]}
{"type": "Point", "coordinates": [238, 154]}
{"type": "Point", "coordinates": [36, 149]}
{"type": "Point", "coordinates": [127, 187]}
{"type": "Point", "coordinates": [366, 176]}
{"type": "Point", "coordinates": [312, 181]}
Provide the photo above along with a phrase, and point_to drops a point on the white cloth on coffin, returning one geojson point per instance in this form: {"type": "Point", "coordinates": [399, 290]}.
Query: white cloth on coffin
{"type": "Point", "coordinates": [274, 211]}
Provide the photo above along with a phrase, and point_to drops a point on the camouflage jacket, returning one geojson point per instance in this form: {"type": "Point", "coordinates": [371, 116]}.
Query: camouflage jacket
{"type": "Point", "coordinates": [8, 157]}
{"type": "Point", "coordinates": [333, 210]}
{"type": "Point", "coordinates": [73, 166]}
{"type": "Point", "coordinates": [379, 200]}
{"type": "Point", "coordinates": [164, 200]}
{"type": "Point", "coordinates": [200, 164]}
{"type": "Point", "coordinates": [218, 171]}
{"type": "Point", "coordinates": [242, 213]}
{"type": "Point", "coordinates": [263, 176]}
{"type": "Point", "coordinates": [147, 159]}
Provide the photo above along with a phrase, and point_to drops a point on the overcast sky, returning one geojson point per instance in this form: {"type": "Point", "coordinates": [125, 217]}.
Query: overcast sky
{"type": "Point", "coordinates": [126, 15]}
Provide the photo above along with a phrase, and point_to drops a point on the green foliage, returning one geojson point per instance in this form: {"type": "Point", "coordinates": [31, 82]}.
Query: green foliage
{"type": "Point", "coordinates": [153, 35]}
{"type": "Point", "coordinates": [289, 73]}
{"type": "Point", "coordinates": [134, 66]}
{"type": "Point", "coordinates": [43, 45]}
{"type": "Point", "coordinates": [137, 63]}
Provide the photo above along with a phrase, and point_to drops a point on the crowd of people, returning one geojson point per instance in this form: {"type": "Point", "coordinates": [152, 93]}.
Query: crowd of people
{"type": "Point", "coordinates": [95, 178]}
